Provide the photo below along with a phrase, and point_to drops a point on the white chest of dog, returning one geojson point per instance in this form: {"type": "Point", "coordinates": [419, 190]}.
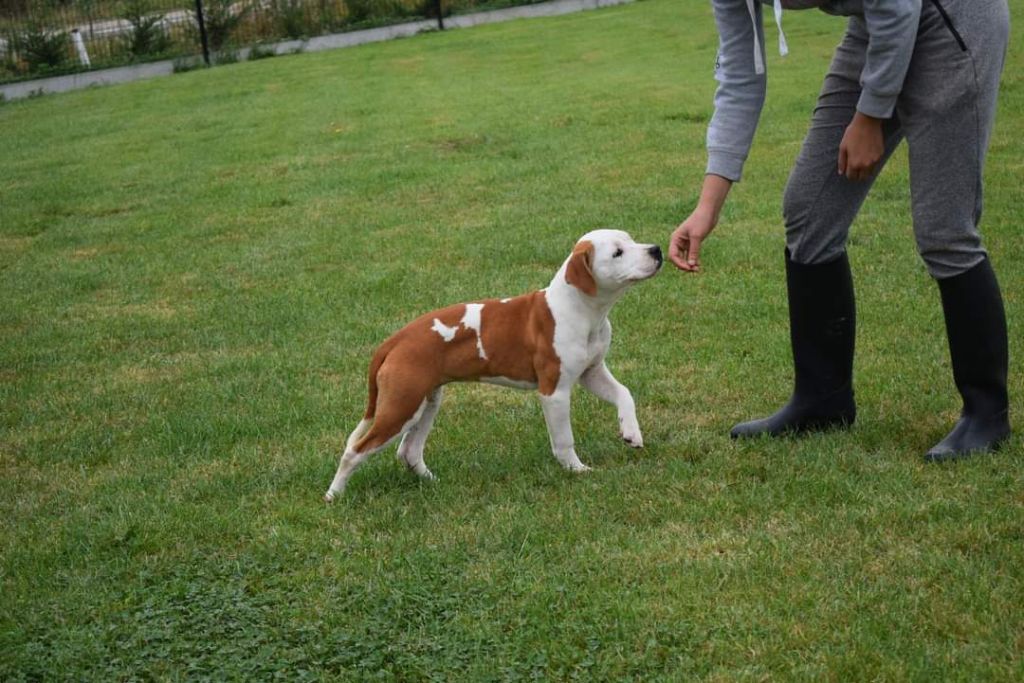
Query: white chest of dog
{"type": "Point", "coordinates": [547, 340]}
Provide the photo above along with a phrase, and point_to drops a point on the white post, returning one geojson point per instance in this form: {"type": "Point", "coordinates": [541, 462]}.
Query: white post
{"type": "Point", "coordinates": [83, 55]}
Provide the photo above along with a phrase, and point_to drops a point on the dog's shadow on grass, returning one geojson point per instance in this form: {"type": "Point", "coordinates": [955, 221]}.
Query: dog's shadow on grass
{"type": "Point", "coordinates": [491, 468]}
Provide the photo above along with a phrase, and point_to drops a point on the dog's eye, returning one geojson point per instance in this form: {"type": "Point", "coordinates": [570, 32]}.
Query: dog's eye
{"type": "Point", "coordinates": [618, 253]}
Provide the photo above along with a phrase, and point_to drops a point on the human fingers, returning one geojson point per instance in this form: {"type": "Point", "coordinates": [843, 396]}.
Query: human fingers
{"type": "Point", "coordinates": [680, 257]}
{"type": "Point", "coordinates": [693, 253]}
{"type": "Point", "coordinates": [677, 248]}
{"type": "Point", "coordinates": [863, 171]}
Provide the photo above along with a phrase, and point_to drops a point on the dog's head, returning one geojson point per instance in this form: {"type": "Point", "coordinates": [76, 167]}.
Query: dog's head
{"type": "Point", "coordinates": [609, 261]}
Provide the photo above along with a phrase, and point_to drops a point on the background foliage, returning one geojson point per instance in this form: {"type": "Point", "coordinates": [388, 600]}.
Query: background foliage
{"type": "Point", "coordinates": [117, 32]}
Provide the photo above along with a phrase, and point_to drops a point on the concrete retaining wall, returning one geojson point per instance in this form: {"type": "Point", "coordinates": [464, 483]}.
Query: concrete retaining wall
{"type": "Point", "coordinates": [125, 74]}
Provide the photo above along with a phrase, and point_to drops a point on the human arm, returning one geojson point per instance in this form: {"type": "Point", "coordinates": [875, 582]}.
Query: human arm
{"type": "Point", "coordinates": [892, 30]}
{"type": "Point", "coordinates": [738, 102]}
{"type": "Point", "coordinates": [739, 70]}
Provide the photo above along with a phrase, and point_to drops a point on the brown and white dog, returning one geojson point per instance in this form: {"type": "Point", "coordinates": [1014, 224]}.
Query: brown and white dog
{"type": "Point", "coordinates": [546, 340]}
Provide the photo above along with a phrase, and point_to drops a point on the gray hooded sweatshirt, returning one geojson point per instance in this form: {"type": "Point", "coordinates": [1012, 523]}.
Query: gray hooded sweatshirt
{"type": "Point", "coordinates": [891, 27]}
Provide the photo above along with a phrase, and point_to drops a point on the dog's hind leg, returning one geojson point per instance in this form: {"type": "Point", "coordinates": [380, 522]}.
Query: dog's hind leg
{"type": "Point", "coordinates": [358, 432]}
{"type": "Point", "coordinates": [379, 436]}
{"type": "Point", "coordinates": [410, 451]}
{"type": "Point", "coordinates": [349, 459]}
{"type": "Point", "coordinates": [399, 407]}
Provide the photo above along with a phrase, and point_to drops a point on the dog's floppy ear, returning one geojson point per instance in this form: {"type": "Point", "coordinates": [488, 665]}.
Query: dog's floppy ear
{"type": "Point", "coordinates": [579, 272]}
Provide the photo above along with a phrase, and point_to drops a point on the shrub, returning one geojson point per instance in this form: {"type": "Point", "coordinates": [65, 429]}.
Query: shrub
{"type": "Point", "coordinates": [147, 35]}
{"type": "Point", "coordinates": [14, 8]}
{"type": "Point", "coordinates": [43, 50]}
{"type": "Point", "coordinates": [221, 20]}
{"type": "Point", "coordinates": [183, 64]}
{"type": "Point", "coordinates": [8, 66]}
{"type": "Point", "coordinates": [367, 11]}
{"type": "Point", "coordinates": [428, 8]}
{"type": "Point", "coordinates": [261, 52]}
{"type": "Point", "coordinates": [225, 57]}
{"type": "Point", "coordinates": [290, 16]}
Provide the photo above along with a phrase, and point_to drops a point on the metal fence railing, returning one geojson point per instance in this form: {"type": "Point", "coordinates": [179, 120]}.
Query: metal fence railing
{"type": "Point", "coordinates": [41, 38]}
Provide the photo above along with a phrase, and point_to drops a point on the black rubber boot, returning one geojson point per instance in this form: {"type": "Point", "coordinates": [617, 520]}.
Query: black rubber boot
{"type": "Point", "coordinates": [822, 326]}
{"type": "Point", "coordinates": [976, 327]}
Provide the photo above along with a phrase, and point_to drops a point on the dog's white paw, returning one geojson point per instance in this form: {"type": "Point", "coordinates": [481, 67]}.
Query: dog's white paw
{"type": "Point", "coordinates": [631, 435]}
{"type": "Point", "coordinates": [330, 496]}
{"type": "Point", "coordinates": [578, 467]}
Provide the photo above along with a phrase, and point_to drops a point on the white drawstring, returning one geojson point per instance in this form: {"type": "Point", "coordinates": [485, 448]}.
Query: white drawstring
{"type": "Point", "coordinates": [758, 58]}
{"type": "Point", "coordinates": [783, 47]}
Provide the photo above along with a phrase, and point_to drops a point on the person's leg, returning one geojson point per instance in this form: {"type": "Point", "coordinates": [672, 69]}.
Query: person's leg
{"type": "Point", "coordinates": [818, 207]}
{"type": "Point", "coordinates": [948, 109]}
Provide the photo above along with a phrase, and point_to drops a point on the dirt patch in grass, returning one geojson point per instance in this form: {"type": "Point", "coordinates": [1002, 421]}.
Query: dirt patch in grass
{"type": "Point", "coordinates": [15, 245]}
{"type": "Point", "coordinates": [139, 374]}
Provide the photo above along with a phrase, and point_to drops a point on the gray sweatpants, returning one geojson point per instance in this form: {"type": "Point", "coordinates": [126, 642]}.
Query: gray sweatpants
{"type": "Point", "coordinates": [945, 111]}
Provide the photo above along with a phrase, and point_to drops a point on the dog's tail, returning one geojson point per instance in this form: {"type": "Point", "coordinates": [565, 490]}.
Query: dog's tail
{"type": "Point", "coordinates": [357, 433]}
{"type": "Point", "coordinates": [378, 360]}
{"type": "Point", "coordinates": [371, 403]}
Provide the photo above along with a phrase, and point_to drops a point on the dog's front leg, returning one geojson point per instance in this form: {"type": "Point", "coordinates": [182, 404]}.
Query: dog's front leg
{"type": "Point", "coordinates": [600, 381]}
{"type": "Point", "coordinates": [556, 414]}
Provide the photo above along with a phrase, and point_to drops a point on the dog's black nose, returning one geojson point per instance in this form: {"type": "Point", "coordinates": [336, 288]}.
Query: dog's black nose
{"type": "Point", "coordinates": [655, 251]}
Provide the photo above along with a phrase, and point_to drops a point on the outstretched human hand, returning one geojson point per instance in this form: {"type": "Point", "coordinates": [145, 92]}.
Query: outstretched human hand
{"type": "Point", "coordinates": [684, 244]}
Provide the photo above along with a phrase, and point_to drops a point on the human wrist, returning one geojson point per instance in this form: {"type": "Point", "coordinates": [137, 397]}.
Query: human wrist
{"type": "Point", "coordinates": [707, 211]}
{"type": "Point", "coordinates": [876, 105]}
{"type": "Point", "coordinates": [712, 197]}
{"type": "Point", "coordinates": [863, 119]}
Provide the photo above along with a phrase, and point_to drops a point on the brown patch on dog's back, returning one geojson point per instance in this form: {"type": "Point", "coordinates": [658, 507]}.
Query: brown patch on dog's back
{"type": "Point", "coordinates": [517, 337]}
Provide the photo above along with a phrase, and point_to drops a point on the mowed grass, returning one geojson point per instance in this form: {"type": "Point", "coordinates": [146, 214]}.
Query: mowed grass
{"type": "Point", "coordinates": [196, 270]}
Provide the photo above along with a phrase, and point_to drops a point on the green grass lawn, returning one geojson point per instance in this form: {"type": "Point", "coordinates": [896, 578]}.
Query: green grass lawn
{"type": "Point", "coordinates": [196, 270]}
